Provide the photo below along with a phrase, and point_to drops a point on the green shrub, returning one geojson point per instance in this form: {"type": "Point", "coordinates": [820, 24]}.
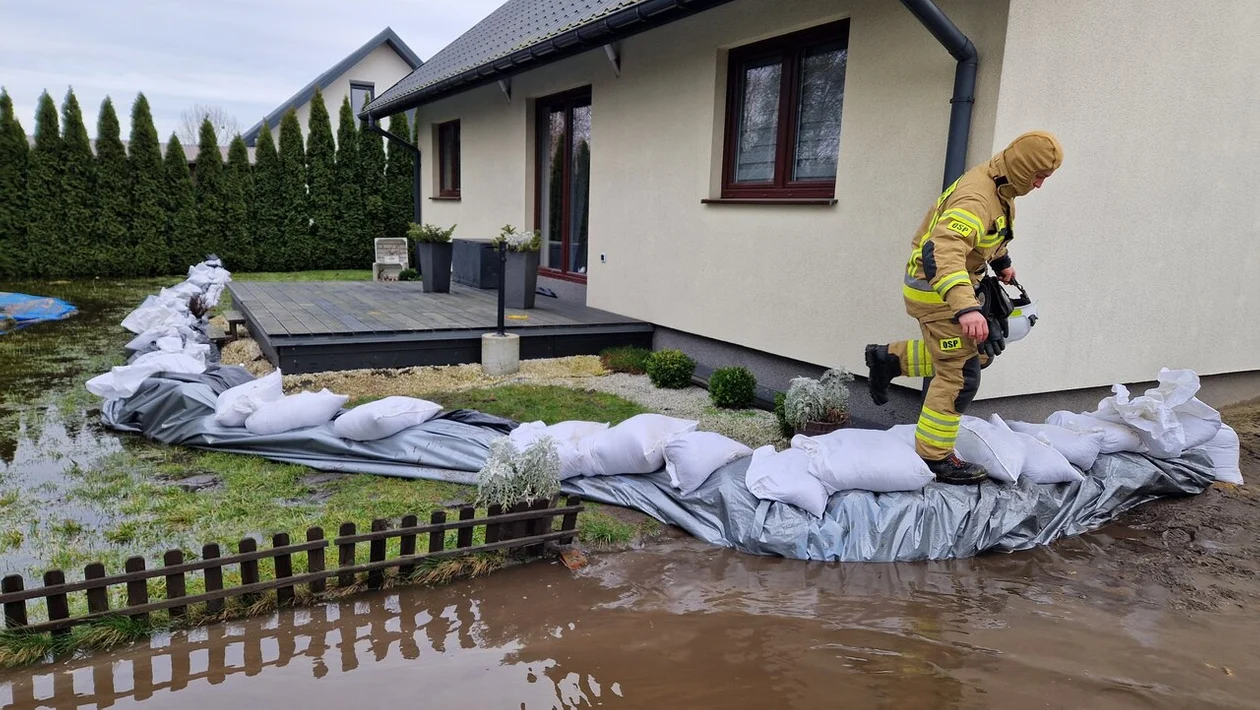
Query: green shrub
{"type": "Point", "coordinates": [732, 388]}
{"type": "Point", "coordinates": [429, 234]}
{"type": "Point", "coordinates": [629, 359]}
{"type": "Point", "coordinates": [670, 369]}
{"type": "Point", "coordinates": [408, 275]}
{"type": "Point", "coordinates": [780, 415]}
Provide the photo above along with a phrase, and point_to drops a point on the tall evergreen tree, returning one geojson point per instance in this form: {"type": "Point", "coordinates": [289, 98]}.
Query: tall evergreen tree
{"type": "Point", "coordinates": [269, 251]}
{"type": "Point", "coordinates": [180, 206]}
{"type": "Point", "coordinates": [209, 188]}
{"type": "Point", "coordinates": [296, 231]}
{"type": "Point", "coordinates": [13, 161]}
{"type": "Point", "coordinates": [82, 255]}
{"type": "Point", "coordinates": [239, 198]}
{"type": "Point", "coordinates": [110, 236]}
{"type": "Point", "coordinates": [372, 166]}
{"type": "Point", "coordinates": [321, 162]}
{"type": "Point", "coordinates": [350, 205]}
{"type": "Point", "coordinates": [398, 179]}
{"type": "Point", "coordinates": [147, 234]}
{"type": "Point", "coordinates": [45, 231]}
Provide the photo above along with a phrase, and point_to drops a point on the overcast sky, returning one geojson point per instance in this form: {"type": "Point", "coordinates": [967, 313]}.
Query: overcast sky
{"type": "Point", "coordinates": [247, 56]}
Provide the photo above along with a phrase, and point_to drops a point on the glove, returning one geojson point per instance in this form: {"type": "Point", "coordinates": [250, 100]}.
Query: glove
{"type": "Point", "coordinates": [999, 331]}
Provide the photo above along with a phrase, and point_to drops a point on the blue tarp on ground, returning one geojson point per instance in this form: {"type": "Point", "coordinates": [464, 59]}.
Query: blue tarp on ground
{"type": "Point", "coordinates": [937, 522]}
{"type": "Point", "coordinates": [18, 310]}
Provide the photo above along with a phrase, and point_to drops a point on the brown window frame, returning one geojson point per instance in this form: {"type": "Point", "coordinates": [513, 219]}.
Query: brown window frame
{"type": "Point", "coordinates": [445, 190]}
{"type": "Point", "coordinates": [790, 49]}
{"type": "Point", "coordinates": [570, 100]}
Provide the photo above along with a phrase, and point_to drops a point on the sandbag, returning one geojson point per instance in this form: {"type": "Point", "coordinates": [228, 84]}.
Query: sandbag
{"type": "Point", "coordinates": [635, 446]}
{"type": "Point", "coordinates": [1169, 418]}
{"type": "Point", "coordinates": [384, 418]}
{"type": "Point", "coordinates": [1223, 449]}
{"type": "Point", "coordinates": [566, 436]}
{"type": "Point", "coordinates": [691, 458]}
{"type": "Point", "coordinates": [1042, 462]}
{"type": "Point", "coordinates": [784, 477]}
{"type": "Point", "coordinates": [299, 411]}
{"type": "Point", "coordinates": [125, 380]}
{"type": "Point", "coordinates": [234, 406]}
{"type": "Point", "coordinates": [157, 313]}
{"type": "Point", "coordinates": [863, 459]}
{"type": "Point", "coordinates": [993, 445]}
{"type": "Point", "coordinates": [1117, 438]}
{"type": "Point", "coordinates": [1080, 449]}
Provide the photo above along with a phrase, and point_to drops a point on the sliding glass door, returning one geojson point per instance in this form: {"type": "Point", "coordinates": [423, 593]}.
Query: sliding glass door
{"type": "Point", "coordinates": [564, 182]}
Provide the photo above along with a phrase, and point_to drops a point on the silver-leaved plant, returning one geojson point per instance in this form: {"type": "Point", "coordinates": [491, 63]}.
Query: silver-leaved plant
{"type": "Point", "coordinates": [511, 476]}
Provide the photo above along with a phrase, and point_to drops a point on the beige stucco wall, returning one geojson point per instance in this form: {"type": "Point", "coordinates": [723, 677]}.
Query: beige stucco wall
{"type": "Point", "coordinates": [1142, 249]}
{"type": "Point", "coordinates": [810, 283]}
{"type": "Point", "coordinates": [382, 67]}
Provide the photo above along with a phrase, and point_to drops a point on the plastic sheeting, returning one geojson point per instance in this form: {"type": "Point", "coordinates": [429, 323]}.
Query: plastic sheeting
{"type": "Point", "coordinates": [937, 522]}
{"type": "Point", "coordinates": [18, 310]}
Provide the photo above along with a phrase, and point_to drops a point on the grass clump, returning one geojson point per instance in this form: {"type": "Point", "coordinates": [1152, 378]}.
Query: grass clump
{"type": "Point", "coordinates": [627, 359]}
{"type": "Point", "coordinates": [603, 530]}
{"type": "Point", "coordinates": [732, 388]}
{"type": "Point", "coordinates": [670, 369]}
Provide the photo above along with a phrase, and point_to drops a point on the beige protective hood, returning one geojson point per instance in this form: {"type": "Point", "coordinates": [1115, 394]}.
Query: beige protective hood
{"type": "Point", "coordinates": [1019, 163]}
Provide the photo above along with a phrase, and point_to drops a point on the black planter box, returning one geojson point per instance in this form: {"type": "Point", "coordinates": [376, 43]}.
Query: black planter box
{"type": "Point", "coordinates": [435, 262]}
{"type": "Point", "coordinates": [476, 264]}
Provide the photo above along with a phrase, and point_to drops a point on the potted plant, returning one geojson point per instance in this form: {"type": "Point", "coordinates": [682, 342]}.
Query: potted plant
{"type": "Point", "coordinates": [814, 407]}
{"type": "Point", "coordinates": [433, 251]}
{"type": "Point", "coordinates": [520, 276]}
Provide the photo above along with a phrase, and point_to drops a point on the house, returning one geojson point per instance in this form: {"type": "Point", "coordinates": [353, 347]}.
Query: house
{"type": "Point", "coordinates": [747, 175]}
{"type": "Point", "coordinates": [379, 63]}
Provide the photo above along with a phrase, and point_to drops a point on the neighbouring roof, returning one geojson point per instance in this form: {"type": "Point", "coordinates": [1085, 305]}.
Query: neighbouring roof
{"type": "Point", "coordinates": [190, 150]}
{"type": "Point", "coordinates": [386, 36]}
{"type": "Point", "coordinates": [522, 34]}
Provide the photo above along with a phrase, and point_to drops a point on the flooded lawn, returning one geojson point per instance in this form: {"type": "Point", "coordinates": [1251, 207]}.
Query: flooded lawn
{"type": "Point", "coordinates": [688, 626]}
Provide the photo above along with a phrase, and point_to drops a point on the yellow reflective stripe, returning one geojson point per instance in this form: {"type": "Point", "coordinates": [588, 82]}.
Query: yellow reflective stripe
{"type": "Point", "coordinates": [949, 281]}
{"type": "Point", "coordinates": [945, 442]}
{"type": "Point", "coordinates": [966, 217]}
{"type": "Point", "coordinates": [945, 421]}
{"type": "Point", "coordinates": [929, 369]}
{"type": "Point", "coordinates": [918, 296]}
{"type": "Point", "coordinates": [989, 240]}
{"type": "Point", "coordinates": [913, 349]}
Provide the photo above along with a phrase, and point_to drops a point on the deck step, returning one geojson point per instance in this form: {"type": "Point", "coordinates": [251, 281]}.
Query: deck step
{"type": "Point", "coordinates": [218, 337]}
{"type": "Point", "coordinates": [234, 318]}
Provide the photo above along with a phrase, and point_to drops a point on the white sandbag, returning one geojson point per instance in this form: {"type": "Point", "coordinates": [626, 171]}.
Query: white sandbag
{"type": "Point", "coordinates": [154, 336]}
{"type": "Point", "coordinates": [1169, 418]}
{"type": "Point", "coordinates": [299, 411]}
{"type": "Point", "coordinates": [863, 459]}
{"type": "Point", "coordinates": [384, 418]}
{"type": "Point", "coordinates": [1080, 449]}
{"type": "Point", "coordinates": [904, 432]}
{"type": "Point", "coordinates": [153, 313]}
{"type": "Point", "coordinates": [1223, 449]}
{"type": "Point", "coordinates": [992, 445]}
{"type": "Point", "coordinates": [566, 436]}
{"type": "Point", "coordinates": [634, 446]}
{"type": "Point", "coordinates": [1042, 462]}
{"type": "Point", "coordinates": [1116, 437]}
{"type": "Point", "coordinates": [235, 405]}
{"type": "Point", "coordinates": [691, 458]}
{"type": "Point", "coordinates": [205, 274]}
{"type": "Point", "coordinates": [784, 477]}
{"type": "Point", "coordinates": [125, 380]}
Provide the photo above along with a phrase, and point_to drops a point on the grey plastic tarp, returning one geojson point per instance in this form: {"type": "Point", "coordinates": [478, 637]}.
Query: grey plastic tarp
{"type": "Point", "coordinates": [937, 522]}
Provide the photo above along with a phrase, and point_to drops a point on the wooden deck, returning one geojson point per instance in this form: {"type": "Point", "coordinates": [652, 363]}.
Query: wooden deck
{"type": "Point", "coordinates": [345, 325]}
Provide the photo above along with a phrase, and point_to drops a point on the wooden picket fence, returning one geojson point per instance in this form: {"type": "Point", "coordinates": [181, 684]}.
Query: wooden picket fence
{"type": "Point", "coordinates": [525, 526]}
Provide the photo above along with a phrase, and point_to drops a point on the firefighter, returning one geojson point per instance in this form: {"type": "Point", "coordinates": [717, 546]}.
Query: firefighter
{"type": "Point", "coordinates": [965, 233]}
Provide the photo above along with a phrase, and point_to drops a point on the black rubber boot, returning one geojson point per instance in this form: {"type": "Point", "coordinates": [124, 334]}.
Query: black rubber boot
{"type": "Point", "coordinates": [883, 369]}
{"type": "Point", "coordinates": [952, 469]}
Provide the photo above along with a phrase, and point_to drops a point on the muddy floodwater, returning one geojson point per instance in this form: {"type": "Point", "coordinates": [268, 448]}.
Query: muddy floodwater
{"type": "Point", "coordinates": [684, 625]}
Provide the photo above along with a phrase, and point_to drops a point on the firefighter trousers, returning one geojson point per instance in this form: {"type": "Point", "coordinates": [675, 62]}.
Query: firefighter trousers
{"type": "Point", "coordinates": [950, 364]}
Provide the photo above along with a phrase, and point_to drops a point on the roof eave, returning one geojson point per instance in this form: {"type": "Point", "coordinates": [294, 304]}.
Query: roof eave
{"type": "Point", "coordinates": [592, 35]}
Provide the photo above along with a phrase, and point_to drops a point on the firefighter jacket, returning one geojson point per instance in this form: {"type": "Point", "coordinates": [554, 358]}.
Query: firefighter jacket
{"type": "Point", "coordinates": [970, 227]}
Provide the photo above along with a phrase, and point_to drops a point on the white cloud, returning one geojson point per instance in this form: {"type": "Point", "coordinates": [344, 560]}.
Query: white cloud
{"type": "Point", "coordinates": [244, 55]}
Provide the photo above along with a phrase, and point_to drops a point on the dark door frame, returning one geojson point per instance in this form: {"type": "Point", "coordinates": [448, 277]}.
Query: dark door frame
{"type": "Point", "coordinates": [566, 101]}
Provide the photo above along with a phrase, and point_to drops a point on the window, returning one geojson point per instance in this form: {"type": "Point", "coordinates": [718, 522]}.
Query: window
{"type": "Point", "coordinates": [563, 210]}
{"type": "Point", "coordinates": [360, 95]}
{"type": "Point", "coordinates": [784, 98]}
{"type": "Point", "coordinates": [448, 159]}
